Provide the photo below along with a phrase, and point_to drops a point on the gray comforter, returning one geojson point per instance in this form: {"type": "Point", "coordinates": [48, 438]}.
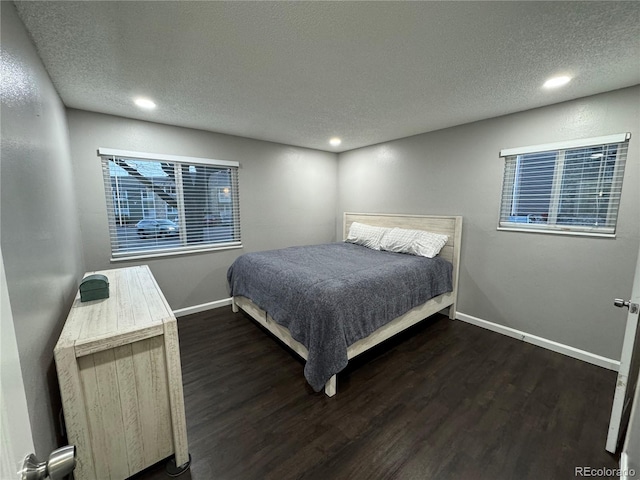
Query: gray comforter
{"type": "Point", "coordinates": [330, 296]}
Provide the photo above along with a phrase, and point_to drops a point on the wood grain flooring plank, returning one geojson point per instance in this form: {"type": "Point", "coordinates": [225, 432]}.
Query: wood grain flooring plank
{"type": "Point", "coordinates": [444, 400]}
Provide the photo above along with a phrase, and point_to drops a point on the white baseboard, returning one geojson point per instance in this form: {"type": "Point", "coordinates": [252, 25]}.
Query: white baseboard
{"type": "Point", "coordinates": [202, 308]}
{"type": "Point", "coordinates": [573, 352]}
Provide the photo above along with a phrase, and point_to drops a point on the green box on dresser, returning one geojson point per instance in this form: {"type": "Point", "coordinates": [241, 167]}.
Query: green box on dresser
{"type": "Point", "coordinates": [94, 287]}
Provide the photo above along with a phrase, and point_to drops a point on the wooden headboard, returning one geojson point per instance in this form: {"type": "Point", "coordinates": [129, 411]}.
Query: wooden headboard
{"type": "Point", "coordinates": [446, 225]}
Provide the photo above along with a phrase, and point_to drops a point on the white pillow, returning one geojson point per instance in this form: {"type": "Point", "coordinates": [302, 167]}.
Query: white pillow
{"type": "Point", "coordinates": [414, 242]}
{"type": "Point", "coordinates": [366, 235]}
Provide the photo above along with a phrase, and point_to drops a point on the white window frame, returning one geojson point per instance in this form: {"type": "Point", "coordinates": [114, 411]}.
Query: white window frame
{"type": "Point", "coordinates": [510, 185]}
{"type": "Point", "coordinates": [184, 248]}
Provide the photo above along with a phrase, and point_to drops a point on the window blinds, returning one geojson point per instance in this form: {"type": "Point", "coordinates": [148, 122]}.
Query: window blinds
{"type": "Point", "coordinates": [162, 204]}
{"type": "Point", "coordinates": [576, 188]}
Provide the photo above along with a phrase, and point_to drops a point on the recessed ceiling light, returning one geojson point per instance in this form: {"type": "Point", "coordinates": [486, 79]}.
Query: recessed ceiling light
{"type": "Point", "coordinates": [335, 141]}
{"type": "Point", "coordinates": [145, 103]}
{"type": "Point", "coordinates": [557, 81]}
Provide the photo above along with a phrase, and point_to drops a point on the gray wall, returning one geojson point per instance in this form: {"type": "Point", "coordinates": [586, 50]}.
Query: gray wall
{"type": "Point", "coordinates": [287, 197]}
{"type": "Point", "coordinates": [40, 231]}
{"type": "Point", "coordinates": [557, 287]}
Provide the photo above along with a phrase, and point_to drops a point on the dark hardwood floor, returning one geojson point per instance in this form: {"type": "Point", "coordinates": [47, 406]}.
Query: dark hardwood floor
{"type": "Point", "coordinates": [445, 400]}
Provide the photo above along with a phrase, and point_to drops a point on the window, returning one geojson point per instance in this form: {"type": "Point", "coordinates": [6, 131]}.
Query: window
{"type": "Point", "coordinates": [565, 187]}
{"type": "Point", "coordinates": [164, 204]}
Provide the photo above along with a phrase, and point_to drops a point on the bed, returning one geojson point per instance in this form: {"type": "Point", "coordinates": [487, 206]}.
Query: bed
{"type": "Point", "coordinates": [322, 301]}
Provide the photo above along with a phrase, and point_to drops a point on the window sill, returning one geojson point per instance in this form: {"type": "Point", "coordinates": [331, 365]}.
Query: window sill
{"type": "Point", "coordinates": [557, 232]}
{"type": "Point", "coordinates": [173, 253]}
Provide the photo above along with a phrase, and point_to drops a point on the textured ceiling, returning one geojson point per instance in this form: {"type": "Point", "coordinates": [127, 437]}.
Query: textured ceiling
{"type": "Point", "coordinates": [299, 73]}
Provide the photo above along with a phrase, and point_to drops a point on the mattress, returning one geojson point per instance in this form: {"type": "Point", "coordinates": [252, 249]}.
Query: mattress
{"type": "Point", "coordinates": [330, 296]}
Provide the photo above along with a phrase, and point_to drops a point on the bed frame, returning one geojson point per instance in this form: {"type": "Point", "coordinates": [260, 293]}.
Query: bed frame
{"type": "Point", "coordinates": [448, 225]}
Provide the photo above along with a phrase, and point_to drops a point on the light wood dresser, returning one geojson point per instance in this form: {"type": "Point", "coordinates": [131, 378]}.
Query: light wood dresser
{"type": "Point", "coordinates": [118, 364]}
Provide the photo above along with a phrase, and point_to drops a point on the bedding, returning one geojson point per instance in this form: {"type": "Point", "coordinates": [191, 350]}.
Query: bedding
{"type": "Point", "coordinates": [330, 296]}
{"type": "Point", "coordinates": [366, 235]}
{"type": "Point", "coordinates": [413, 242]}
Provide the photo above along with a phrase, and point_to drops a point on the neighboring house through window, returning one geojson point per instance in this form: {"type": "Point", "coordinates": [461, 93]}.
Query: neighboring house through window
{"type": "Point", "coordinates": [166, 204]}
{"type": "Point", "coordinates": [565, 187]}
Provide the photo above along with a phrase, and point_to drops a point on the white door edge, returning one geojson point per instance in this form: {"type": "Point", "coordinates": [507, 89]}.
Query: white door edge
{"type": "Point", "coordinates": [623, 395]}
{"type": "Point", "coordinates": [15, 427]}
